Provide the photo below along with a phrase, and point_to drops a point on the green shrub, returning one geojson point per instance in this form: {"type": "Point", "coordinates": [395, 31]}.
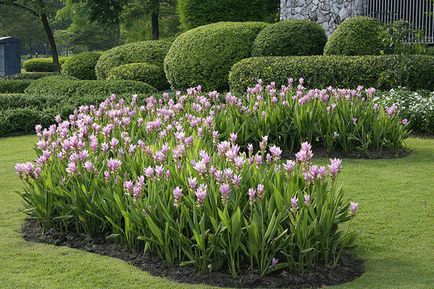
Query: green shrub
{"type": "Point", "coordinates": [290, 37]}
{"type": "Point", "coordinates": [14, 85]}
{"type": "Point", "coordinates": [194, 13]}
{"type": "Point", "coordinates": [63, 87]}
{"type": "Point", "coordinates": [357, 36]}
{"type": "Point", "coordinates": [82, 65]}
{"type": "Point", "coordinates": [29, 75]}
{"type": "Point", "coordinates": [42, 64]}
{"type": "Point", "coordinates": [152, 52]}
{"type": "Point", "coordinates": [143, 72]}
{"type": "Point", "coordinates": [204, 55]}
{"type": "Point", "coordinates": [383, 72]}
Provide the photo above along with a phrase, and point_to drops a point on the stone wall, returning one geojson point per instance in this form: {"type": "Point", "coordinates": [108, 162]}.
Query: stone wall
{"type": "Point", "coordinates": [328, 13]}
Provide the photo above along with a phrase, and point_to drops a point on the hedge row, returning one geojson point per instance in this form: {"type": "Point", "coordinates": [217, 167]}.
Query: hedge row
{"type": "Point", "coordinates": [152, 52]}
{"type": "Point", "coordinates": [14, 85]}
{"type": "Point", "coordinates": [383, 72]}
{"type": "Point", "coordinates": [42, 64]}
{"type": "Point", "coordinates": [29, 75]}
{"type": "Point", "coordinates": [64, 87]}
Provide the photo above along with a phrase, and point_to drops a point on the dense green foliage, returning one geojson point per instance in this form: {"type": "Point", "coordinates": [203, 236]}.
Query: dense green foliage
{"type": "Point", "coordinates": [29, 75]}
{"type": "Point", "coordinates": [194, 13]}
{"type": "Point", "coordinates": [416, 106]}
{"type": "Point", "coordinates": [204, 55]}
{"type": "Point", "coordinates": [290, 37]}
{"type": "Point", "coordinates": [384, 72]}
{"type": "Point", "coordinates": [14, 85]}
{"type": "Point", "coordinates": [357, 36]}
{"type": "Point", "coordinates": [148, 73]}
{"type": "Point", "coordinates": [41, 64]}
{"type": "Point", "coordinates": [152, 52]}
{"type": "Point", "coordinates": [64, 87]}
{"type": "Point", "coordinates": [82, 65]}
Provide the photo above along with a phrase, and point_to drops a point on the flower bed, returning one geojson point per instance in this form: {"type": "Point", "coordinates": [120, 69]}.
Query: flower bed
{"type": "Point", "coordinates": [158, 177]}
{"type": "Point", "coordinates": [349, 121]}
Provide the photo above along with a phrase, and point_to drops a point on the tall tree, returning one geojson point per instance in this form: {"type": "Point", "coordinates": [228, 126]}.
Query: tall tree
{"type": "Point", "coordinates": [109, 11]}
{"type": "Point", "coordinates": [41, 9]}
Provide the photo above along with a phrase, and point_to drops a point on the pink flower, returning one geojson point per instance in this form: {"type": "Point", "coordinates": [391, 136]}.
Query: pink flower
{"type": "Point", "coordinates": [177, 195]}
{"type": "Point", "coordinates": [192, 183]}
{"type": "Point", "coordinates": [114, 164]}
{"type": "Point", "coordinates": [405, 122]}
{"type": "Point", "coordinates": [335, 167]}
{"type": "Point", "coordinates": [201, 194]}
{"type": "Point", "coordinates": [307, 200]}
{"type": "Point", "coordinates": [225, 190]}
{"type": "Point", "coordinates": [289, 166]}
{"type": "Point", "coordinates": [149, 172]}
{"type": "Point", "coordinates": [71, 168]}
{"type": "Point", "coordinates": [276, 152]}
{"type": "Point", "coordinates": [353, 208]}
{"type": "Point", "coordinates": [294, 203]}
{"type": "Point", "coordinates": [252, 194]}
{"type": "Point", "coordinates": [89, 166]}
{"type": "Point", "coordinates": [391, 110]}
{"type": "Point", "coordinates": [274, 262]}
{"type": "Point", "coordinates": [260, 189]}
{"type": "Point", "coordinates": [233, 137]}
{"type": "Point", "coordinates": [128, 186]}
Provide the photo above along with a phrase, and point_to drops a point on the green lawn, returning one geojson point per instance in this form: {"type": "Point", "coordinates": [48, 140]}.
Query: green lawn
{"type": "Point", "coordinates": [395, 223]}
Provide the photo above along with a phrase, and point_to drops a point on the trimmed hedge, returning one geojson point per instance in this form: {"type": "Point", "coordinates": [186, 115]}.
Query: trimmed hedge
{"type": "Point", "coordinates": [290, 37]}
{"type": "Point", "coordinates": [82, 65]}
{"type": "Point", "coordinates": [64, 87]}
{"type": "Point", "coordinates": [204, 55]}
{"type": "Point", "coordinates": [152, 52]}
{"type": "Point", "coordinates": [143, 72]}
{"type": "Point", "coordinates": [194, 13]}
{"type": "Point", "coordinates": [14, 85]}
{"type": "Point", "coordinates": [42, 64]}
{"type": "Point", "coordinates": [29, 75]}
{"type": "Point", "coordinates": [382, 72]}
{"type": "Point", "coordinates": [357, 36]}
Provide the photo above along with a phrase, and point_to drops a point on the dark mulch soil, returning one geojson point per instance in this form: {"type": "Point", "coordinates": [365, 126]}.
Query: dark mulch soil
{"type": "Point", "coordinates": [348, 269]}
{"type": "Point", "coordinates": [322, 153]}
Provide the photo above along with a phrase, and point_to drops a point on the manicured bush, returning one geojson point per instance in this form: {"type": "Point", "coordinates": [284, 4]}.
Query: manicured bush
{"type": "Point", "coordinates": [384, 72]}
{"type": "Point", "coordinates": [41, 64]}
{"type": "Point", "coordinates": [144, 72]}
{"type": "Point", "coordinates": [29, 75]}
{"type": "Point", "coordinates": [194, 13]}
{"type": "Point", "coordinates": [199, 202]}
{"type": "Point", "coordinates": [290, 37]}
{"type": "Point", "coordinates": [82, 65]}
{"type": "Point", "coordinates": [14, 85]}
{"type": "Point", "coordinates": [64, 87]}
{"type": "Point", "coordinates": [204, 55]}
{"type": "Point", "coordinates": [416, 107]}
{"type": "Point", "coordinates": [152, 52]}
{"type": "Point", "coordinates": [357, 36]}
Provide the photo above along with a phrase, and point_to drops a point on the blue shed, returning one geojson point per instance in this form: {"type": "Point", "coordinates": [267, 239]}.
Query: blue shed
{"type": "Point", "coordinates": [10, 61]}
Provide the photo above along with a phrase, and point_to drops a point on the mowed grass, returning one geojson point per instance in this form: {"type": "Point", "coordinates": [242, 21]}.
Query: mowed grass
{"type": "Point", "coordinates": [395, 225]}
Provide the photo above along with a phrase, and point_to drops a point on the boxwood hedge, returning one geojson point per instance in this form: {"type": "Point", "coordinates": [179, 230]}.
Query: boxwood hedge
{"type": "Point", "coordinates": [82, 65]}
{"type": "Point", "coordinates": [144, 72]}
{"type": "Point", "coordinates": [383, 72]}
{"type": "Point", "coordinates": [290, 37]}
{"type": "Point", "coordinates": [14, 85]}
{"type": "Point", "coordinates": [204, 55]}
{"type": "Point", "coordinates": [64, 87]}
{"type": "Point", "coordinates": [42, 64]}
{"type": "Point", "coordinates": [357, 36]}
{"type": "Point", "coordinates": [152, 52]}
{"type": "Point", "coordinates": [29, 75]}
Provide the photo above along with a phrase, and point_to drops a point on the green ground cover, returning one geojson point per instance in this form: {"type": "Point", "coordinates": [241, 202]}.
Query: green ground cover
{"type": "Point", "coordinates": [395, 226]}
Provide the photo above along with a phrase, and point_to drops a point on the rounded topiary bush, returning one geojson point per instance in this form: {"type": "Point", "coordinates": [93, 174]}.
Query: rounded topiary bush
{"type": "Point", "coordinates": [82, 65]}
{"type": "Point", "coordinates": [290, 37]}
{"type": "Point", "coordinates": [152, 52]}
{"type": "Point", "coordinates": [357, 36]}
{"type": "Point", "coordinates": [204, 55]}
{"type": "Point", "coordinates": [42, 64]}
{"type": "Point", "coordinates": [144, 72]}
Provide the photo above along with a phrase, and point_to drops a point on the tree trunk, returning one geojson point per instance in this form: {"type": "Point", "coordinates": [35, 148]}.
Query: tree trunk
{"type": "Point", "coordinates": [51, 41]}
{"type": "Point", "coordinates": [155, 27]}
